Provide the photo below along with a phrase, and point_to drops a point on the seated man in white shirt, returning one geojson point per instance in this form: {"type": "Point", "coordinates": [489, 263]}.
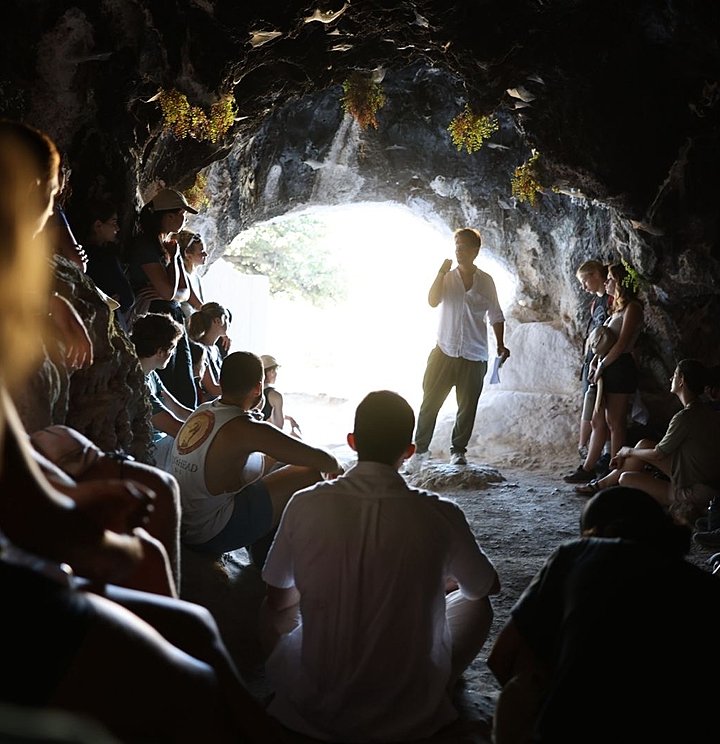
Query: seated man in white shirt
{"type": "Point", "coordinates": [156, 337]}
{"type": "Point", "coordinates": [377, 595]}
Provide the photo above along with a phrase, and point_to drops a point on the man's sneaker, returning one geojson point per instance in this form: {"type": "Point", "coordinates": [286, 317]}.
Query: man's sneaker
{"type": "Point", "coordinates": [602, 466]}
{"type": "Point", "coordinates": [708, 539]}
{"type": "Point", "coordinates": [580, 475]}
{"type": "Point", "coordinates": [458, 458]}
{"type": "Point", "coordinates": [416, 463]}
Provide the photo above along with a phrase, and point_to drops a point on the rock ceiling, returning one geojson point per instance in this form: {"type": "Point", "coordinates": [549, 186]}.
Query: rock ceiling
{"type": "Point", "coordinates": [620, 99]}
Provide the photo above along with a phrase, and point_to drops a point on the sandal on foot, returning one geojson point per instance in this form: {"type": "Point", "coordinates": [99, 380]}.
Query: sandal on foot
{"type": "Point", "coordinates": [589, 488]}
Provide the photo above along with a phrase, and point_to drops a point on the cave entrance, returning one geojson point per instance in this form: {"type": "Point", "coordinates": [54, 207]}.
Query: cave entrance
{"type": "Point", "coordinates": [364, 324]}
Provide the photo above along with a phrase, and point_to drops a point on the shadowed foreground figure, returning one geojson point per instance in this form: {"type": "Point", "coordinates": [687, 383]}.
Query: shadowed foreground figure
{"type": "Point", "coordinates": [610, 640]}
{"type": "Point", "coordinates": [147, 667]}
{"type": "Point", "coordinates": [377, 595]}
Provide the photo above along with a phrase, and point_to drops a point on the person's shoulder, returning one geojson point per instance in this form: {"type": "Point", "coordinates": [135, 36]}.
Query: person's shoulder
{"type": "Point", "coordinates": [483, 276]}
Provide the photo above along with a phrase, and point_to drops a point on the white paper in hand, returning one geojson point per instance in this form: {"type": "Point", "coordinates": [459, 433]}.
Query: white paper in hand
{"type": "Point", "coordinates": [495, 376]}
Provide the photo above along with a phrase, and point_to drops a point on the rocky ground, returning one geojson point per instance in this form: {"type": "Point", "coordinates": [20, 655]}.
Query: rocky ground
{"type": "Point", "coordinates": [519, 517]}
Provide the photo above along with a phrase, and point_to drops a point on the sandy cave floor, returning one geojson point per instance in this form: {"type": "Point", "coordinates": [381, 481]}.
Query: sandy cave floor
{"type": "Point", "coordinates": [518, 521]}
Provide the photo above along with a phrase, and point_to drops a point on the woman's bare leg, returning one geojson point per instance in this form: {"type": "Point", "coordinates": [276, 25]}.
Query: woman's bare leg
{"type": "Point", "coordinates": [616, 408]}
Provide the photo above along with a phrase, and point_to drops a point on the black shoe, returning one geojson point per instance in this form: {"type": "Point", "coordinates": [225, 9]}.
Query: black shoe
{"type": "Point", "coordinates": [579, 476]}
{"type": "Point", "coordinates": [602, 466]}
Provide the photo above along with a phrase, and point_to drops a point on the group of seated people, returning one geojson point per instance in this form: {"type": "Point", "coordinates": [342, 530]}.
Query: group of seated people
{"type": "Point", "coordinates": [681, 471]}
{"type": "Point", "coordinates": [377, 593]}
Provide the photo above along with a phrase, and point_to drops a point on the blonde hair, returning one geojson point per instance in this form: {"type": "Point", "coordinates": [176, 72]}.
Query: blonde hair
{"type": "Point", "coordinates": [28, 160]}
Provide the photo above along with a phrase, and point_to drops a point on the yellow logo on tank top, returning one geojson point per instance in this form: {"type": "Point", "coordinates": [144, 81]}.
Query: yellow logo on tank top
{"type": "Point", "coordinates": [195, 431]}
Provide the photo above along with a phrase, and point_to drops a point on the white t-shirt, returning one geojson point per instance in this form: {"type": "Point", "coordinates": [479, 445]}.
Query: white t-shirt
{"type": "Point", "coordinates": [464, 314]}
{"type": "Point", "coordinates": [370, 557]}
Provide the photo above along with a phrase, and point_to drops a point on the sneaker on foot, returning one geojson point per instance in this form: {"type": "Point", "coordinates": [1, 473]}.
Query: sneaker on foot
{"type": "Point", "coordinates": [458, 458]}
{"type": "Point", "coordinates": [579, 476]}
{"type": "Point", "coordinates": [416, 463]}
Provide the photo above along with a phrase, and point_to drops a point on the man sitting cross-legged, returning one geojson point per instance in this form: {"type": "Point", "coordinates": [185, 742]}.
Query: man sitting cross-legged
{"type": "Point", "coordinates": [393, 591]}
{"type": "Point", "coordinates": [222, 459]}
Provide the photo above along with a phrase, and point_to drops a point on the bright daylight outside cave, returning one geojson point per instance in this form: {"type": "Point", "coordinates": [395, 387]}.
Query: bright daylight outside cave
{"type": "Point", "coordinates": [297, 172]}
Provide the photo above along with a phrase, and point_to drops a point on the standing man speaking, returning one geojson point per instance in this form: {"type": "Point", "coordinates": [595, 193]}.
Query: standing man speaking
{"type": "Point", "coordinates": [467, 296]}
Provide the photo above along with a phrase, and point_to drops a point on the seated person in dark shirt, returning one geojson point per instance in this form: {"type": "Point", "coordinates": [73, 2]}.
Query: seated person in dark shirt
{"type": "Point", "coordinates": [155, 337]}
{"type": "Point", "coordinates": [99, 231]}
{"type": "Point", "coordinates": [604, 644]}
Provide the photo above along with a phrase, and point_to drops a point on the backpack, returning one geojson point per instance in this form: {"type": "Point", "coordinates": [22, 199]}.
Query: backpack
{"type": "Point", "coordinates": [601, 340]}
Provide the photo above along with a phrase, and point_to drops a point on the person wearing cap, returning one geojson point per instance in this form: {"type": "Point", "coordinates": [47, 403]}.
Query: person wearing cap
{"type": "Point", "coordinates": [158, 277]}
{"type": "Point", "coordinates": [224, 459]}
{"type": "Point", "coordinates": [272, 411]}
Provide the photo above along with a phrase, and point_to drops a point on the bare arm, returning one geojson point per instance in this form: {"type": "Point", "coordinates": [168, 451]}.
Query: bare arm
{"type": "Point", "coordinates": [278, 615]}
{"type": "Point", "coordinates": [175, 406]}
{"type": "Point", "coordinates": [164, 280]}
{"type": "Point", "coordinates": [173, 415]}
{"type": "Point", "coordinates": [165, 421]}
{"type": "Point", "coordinates": [270, 440]}
{"type": "Point", "coordinates": [648, 454]}
{"type": "Point", "coordinates": [277, 417]}
{"type": "Point", "coordinates": [72, 332]}
{"type": "Point", "coordinates": [436, 288]}
{"type": "Point", "coordinates": [632, 319]}
{"type": "Point", "coordinates": [210, 384]}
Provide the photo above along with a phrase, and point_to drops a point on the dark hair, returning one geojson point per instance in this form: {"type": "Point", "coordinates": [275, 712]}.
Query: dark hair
{"type": "Point", "coordinates": [694, 374]}
{"type": "Point", "coordinates": [625, 291]}
{"type": "Point", "coordinates": [632, 514]}
{"type": "Point", "coordinates": [201, 320]}
{"type": "Point", "coordinates": [92, 210]}
{"type": "Point", "coordinates": [154, 331]}
{"type": "Point", "coordinates": [240, 372]}
{"type": "Point", "coordinates": [150, 220]}
{"type": "Point", "coordinates": [384, 423]}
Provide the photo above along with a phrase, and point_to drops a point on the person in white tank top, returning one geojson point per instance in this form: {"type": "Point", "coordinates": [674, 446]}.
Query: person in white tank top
{"type": "Point", "coordinates": [222, 459]}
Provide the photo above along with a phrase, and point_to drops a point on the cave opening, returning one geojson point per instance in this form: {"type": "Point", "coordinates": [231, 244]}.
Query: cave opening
{"type": "Point", "coordinates": [363, 324]}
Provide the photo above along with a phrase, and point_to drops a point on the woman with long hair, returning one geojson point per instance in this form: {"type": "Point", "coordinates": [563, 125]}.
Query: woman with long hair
{"type": "Point", "coordinates": [194, 256]}
{"type": "Point", "coordinates": [205, 327]}
{"type": "Point", "coordinates": [616, 367]}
